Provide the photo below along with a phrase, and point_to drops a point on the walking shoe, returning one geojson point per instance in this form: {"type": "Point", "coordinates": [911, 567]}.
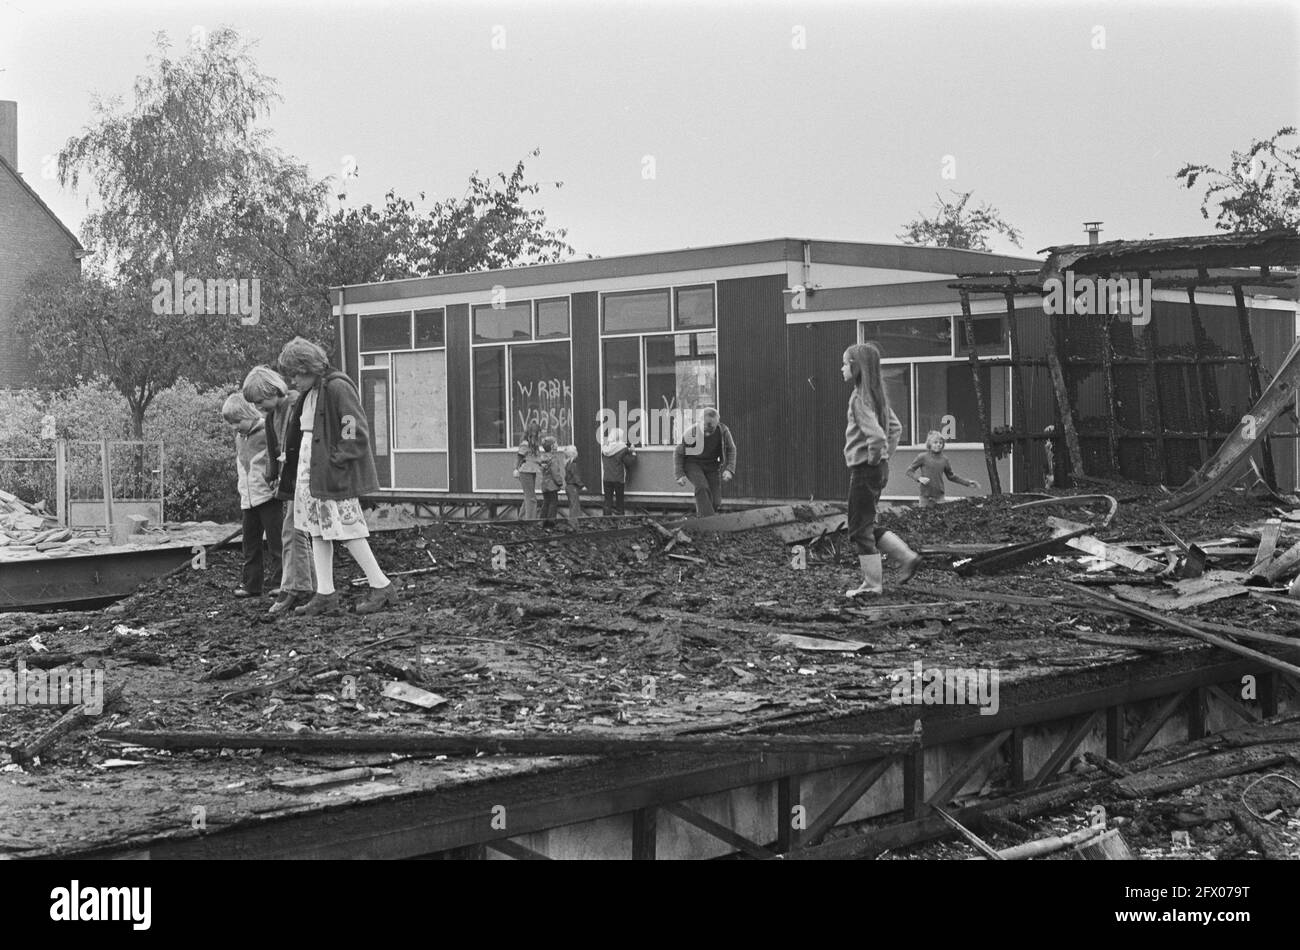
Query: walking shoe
{"type": "Point", "coordinates": [288, 600]}
{"type": "Point", "coordinates": [319, 604]}
{"type": "Point", "coordinates": [377, 598]}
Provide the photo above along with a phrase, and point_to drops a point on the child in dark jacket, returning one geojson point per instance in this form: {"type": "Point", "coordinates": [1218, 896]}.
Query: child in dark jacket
{"type": "Point", "coordinates": [552, 479]}
{"type": "Point", "coordinates": [573, 486]}
{"type": "Point", "coordinates": [262, 513]}
{"type": "Point", "coordinates": [930, 468]}
{"type": "Point", "coordinates": [615, 456]}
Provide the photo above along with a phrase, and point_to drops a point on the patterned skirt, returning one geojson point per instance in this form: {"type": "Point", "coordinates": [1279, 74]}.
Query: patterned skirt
{"type": "Point", "coordinates": [334, 520]}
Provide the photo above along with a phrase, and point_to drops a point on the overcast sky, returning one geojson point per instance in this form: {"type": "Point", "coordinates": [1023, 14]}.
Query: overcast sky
{"type": "Point", "coordinates": [751, 137]}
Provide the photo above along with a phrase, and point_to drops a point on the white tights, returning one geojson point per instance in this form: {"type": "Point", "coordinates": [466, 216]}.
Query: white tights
{"type": "Point", "coordinates": [322, 555]}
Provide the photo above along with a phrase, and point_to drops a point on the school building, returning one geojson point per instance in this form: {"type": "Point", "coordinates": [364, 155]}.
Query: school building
{"type": "Point", "coordinates": [452, 368]}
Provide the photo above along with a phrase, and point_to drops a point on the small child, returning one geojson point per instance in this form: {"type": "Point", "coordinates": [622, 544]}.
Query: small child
{"type": "Point", "coordinates": [267, 390]}
{"type": "Point", "coordinates": [262, 512]}
{"type": "Point", "coordinates": [573, 482]}
{"type": "Point", "coordinates": [552, 479]}
{"type": "Point", "coordinates": [932, 465]}
{"type": "Point", "coordinates": [615, 456]}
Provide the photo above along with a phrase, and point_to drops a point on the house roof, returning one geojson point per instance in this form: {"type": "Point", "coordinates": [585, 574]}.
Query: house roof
{"type": "Point", "coordinates": [5, 166]}
{"type": "Point", "coordinates": [1278, 246]}
{"type": "Point", "coordinates": [934, 260]}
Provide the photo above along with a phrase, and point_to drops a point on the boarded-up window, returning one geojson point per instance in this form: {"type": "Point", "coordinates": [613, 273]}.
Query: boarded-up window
{"type": "Point", "coordinates": [420, 400]}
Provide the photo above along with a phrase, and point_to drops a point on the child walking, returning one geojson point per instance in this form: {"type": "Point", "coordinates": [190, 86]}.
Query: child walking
{"type": "Point", "coordinates": [615, 456]}
{"type": "Point", "coordinates": [573, 486]}
{"type": "Point", "coordinates": [870, 438]}
{"type": "Point", "coordinates": [330, 466]}
{"type": "Point", "coordinates": [528, 466]}
{"type": "Point", "coordinates": [552, 463]}
{"type": "Point", "coordinates": [262, 515]}
{"type": "Point", "coordinates": [267, 390]}
{"type": "Point", "coordinates": [929, 469]}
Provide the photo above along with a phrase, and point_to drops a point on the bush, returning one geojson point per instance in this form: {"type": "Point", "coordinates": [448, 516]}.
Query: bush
{"type": "Point", "coordinates": [198, 446]}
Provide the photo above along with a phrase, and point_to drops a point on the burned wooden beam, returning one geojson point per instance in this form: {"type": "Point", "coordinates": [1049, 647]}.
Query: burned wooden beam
{"type": "Point", "coordinates": [571, 744]}
{"type": "Point", "coordinates": [69, 722]}
{"type": "Point", "coordinates": [990, 461]}
{"type": "Point", "coordinates": [1253, 375]}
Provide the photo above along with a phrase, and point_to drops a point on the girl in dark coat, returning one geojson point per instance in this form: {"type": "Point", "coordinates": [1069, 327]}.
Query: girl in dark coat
{"type": "Point", "coordinates": [331, 469]}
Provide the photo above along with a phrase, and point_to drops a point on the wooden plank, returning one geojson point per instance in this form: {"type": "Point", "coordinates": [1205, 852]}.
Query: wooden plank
{"type": "Point", "coordinates": [1186, 601]}
{"type": "Point", "coordinates": [787, 800]}
{"type": "Point", "coordinates": [1100, 549]}
{"type": "Point", "coordinates": [69, 722]}
{"type": "Point", "coordinates": [817, 644]}
{"type": "Point", "coordinates": [1253, 375]}
{"type": "Point", "coordinates": [719, 831]}
{"type": "Point", "coordinates": [958, 776]}
{"type": "Point", "coordinates": [1284, 563]}
{"type": "Point", "coordinates": [645, 834]}
{"type": "Point", "coordinates": [1066, 748]}
{"type": "Point", "coordinates": [981, 409]}
{"type": "Point", "coordinates": [966, 833]}
{"type": "Point", "coordinates": [757, 518]}
{"type": "Point", "coordinates": [1147, 731]}
{"type": "Point", "coordinates": [1177, 776]}
{"type": "Point", "coordinates": [325, 779]}
{"type": "Point", "coordinates": [1239, 709]}
{"type": "Point", "coordinates": [800, 531]}
{"type": "Point", "coordinates": [1267, 544]}
{"type": "Point", "coordinates": [845, 800]}
{"type": "Point", "coordinates": [520, 744]}
{"type": "Point", "coordinates": [1191, 631]}
{"type": "Point", "coordinates": [515, 850]}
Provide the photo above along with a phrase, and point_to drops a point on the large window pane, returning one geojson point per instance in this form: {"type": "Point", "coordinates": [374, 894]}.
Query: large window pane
{"type": "Point", "coordinates": [512, 322]}
{"type": "Point", "coordinates": [386, 331]}
{"type": "Point", "coordinates": [540, 389]}
{"type": "Point", "coordinates": [898, 390]}
{"type": "Point", "coordinates": [430, 329]}
{"type": "Point", "coordinates": [945, 400]}
{"type": "Point", "coordinates": [924, 336]}
{"type": "Point", "coordinates": [629, 313]}
{"type": "Point", "coordinates": [622, 382]}
{"type": "Point", "coordinates": [374, 400]}
{"type": "Point", "coordinates": [681, 379]}
{"type": "Point", "coordinates": [490, 397]}
{"type": "Point", "coordinates": [552, 318]}
{"type": "Point", "coordinates": [990, 336]}
{"type": "Point", "coordinates": [420, 400]}
{"type": "Point", "coordinates": [694, 307]}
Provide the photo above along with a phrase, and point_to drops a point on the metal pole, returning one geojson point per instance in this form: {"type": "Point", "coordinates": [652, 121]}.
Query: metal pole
{"type": "Point", "coordinates": [106, 466]}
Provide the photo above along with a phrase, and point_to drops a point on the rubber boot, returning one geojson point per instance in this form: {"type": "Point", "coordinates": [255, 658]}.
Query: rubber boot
{"type": "Point", "coordinates": [872, 577]}
{"type": "Point", "coordinates": [897, 550]}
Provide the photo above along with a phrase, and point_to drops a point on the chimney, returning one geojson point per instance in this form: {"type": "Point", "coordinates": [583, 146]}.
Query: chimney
{"type": "Point", "coordinates": [9, 132]}
{"type": "Point", "coordinates": [1093, 230]}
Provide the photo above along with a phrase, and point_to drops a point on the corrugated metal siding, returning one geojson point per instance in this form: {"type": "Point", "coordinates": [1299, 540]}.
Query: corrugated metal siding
{"type": "Point", "coordinates": [584, 317]}
{"type": "Point", "coordinates": [460, 425]}
{"type": "Point", "coordinates": [751, 366]}
{"type": "Point", "coordinates": [814, 401]}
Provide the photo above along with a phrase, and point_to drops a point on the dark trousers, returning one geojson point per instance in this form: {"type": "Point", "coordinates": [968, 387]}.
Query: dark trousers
{"type": "Point", "coordinates": [550, 504]}
{"type": "Point", "coordinates": [707, 480]}
{"type": "Point", "coordinates": [866, 482]}
{"type": "Point", "coordinates": [264, 520]}
{"type": "Point", "coordinates": [613, 497]}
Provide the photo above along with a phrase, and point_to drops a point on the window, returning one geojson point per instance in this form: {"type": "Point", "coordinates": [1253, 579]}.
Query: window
{"type": "Point", "coordinates": [694, 307]}
{"type": "Point", "coordinates": [490, 397]}
{"type": "Point", "coordinates": [927, 375]}
{"type": "Point", "coordinates": [386, 331]}
{"type": "Point", "coordinates": [655, 384]}
{"type": "Point", "coordinates": [552, 319]}
{"type": "Point", "coordinates": [636, 312]}
{"type": "Point", "coordinates": [517, 380]}
{"type": "Point", "coordinates": [990, 336]}
{"type": "Point", "coordinates": [419, 387]}
{"type": "Point", "coordinates": [430, 329]}
{"type": "Point", "coordinates": [496, 325]}
{"type": "Point", "coordinates": [540, 391]}
{"type": "Point", "coordinates": [928, 336]}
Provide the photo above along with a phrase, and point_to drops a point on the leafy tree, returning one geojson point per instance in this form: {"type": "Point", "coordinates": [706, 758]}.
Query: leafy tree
{"type": "Point", "coordinates": [309, 251]}
{"type": "Point", "coordinates": [1259, 190]}
{"type": "Point", "coordinates": [954, 226]}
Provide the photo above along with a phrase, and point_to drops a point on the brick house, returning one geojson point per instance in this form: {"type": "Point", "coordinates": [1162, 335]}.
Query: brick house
{"type": "Point", "coordinates": [32, 239]}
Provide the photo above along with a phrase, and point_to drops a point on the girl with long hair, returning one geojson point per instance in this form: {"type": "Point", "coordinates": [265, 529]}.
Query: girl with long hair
{"type": "Point", "coordinates": [869, 440]}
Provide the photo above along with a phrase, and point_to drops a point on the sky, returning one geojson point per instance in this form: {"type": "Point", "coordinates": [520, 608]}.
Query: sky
{"type": "Point", "coordinates": [675, 124]}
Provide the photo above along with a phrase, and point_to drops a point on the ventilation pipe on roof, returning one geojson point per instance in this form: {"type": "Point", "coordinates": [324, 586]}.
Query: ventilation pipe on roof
{"type": "Point", "coordinates": [1093, 230]}
{"type": "Point", "coordinates": [9, 132]}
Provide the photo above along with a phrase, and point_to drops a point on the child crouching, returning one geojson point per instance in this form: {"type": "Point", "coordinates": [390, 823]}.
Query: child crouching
{"type": "Point", "coordinates": [930, 468]}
